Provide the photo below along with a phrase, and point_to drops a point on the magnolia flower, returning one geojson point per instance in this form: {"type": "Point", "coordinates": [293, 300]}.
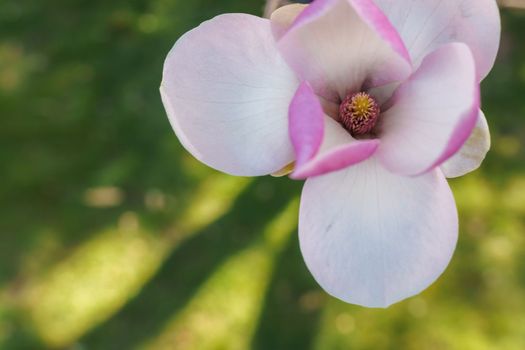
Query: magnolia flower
{"type": "Point", "coordinates": [374, 103]}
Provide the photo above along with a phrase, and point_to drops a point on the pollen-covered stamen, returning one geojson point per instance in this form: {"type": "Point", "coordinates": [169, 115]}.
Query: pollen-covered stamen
{"type": "Point", "coordinates": [358, 113]}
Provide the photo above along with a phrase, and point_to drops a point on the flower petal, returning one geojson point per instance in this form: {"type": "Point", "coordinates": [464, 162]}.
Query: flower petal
{"type": "Point", "coordinates": [306, 123]}
{"type": "Point", "coordinates": [226, 90]}
{"type": "Point", "coordinates": [283, 17]}
{"type": "Point", "coordinates": [373, 238]}
{"type": "Point", "coordinates": [425, 25]}
{"type": "Point", "coordinates": [338, 151]}
{"type": "Point", "coordinates": [321, 144]}
{"type": "Point", "coordinates": [470, 156]}
{"type": "Point", "coordinates": [339, 45]}
{"type": "Point", "coordinates": [432, 114]}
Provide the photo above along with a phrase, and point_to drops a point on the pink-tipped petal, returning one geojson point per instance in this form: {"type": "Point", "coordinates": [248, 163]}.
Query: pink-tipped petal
{"type": "Point", "coordinates": [471, 155]}
{"type": "Point", "coordinates": [338, 151]}
{"type": "Point", "coordinates": [340, 45]}
{"type": "Point", "coordinates": [373, 238]}
{"type": "Point", "coordinates": [283, 17]}
{"type": "Point", "coordinates": [432, 114]}
{"type": "Point", "coordinates": [226, 90]}
{"type": "Point", "coordinates": [306, 124]}
{"type": "Point", "coordinates": [425, 25]}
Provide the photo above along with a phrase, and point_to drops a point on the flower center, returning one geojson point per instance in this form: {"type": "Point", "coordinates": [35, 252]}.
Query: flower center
{"type": "Point", "coordinates": [359, 113]}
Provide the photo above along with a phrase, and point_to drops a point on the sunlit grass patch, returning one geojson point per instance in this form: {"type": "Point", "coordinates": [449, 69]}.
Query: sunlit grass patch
{"type": "Point", "coordinates": [422, 322]}
{"type": "Point", "coordinates": [92, 283]}
{"type": "Point", "coordinates": [103, 197]}
{"type": "Point", "coordinates": [474, 193]}
{"type": "Point", "coordinates": [15, 66]}
{"type": "Point", "coordinates": [224, 313]}
{"type": "Point", "coordinates": [474, 331]}
{"type": "Point", "coordinates": [345, 326]}
{"type": "Point", "coordinates": [507, 146]}
{"type": "Point", "coordinates": [101, 275]}
{"type": "Point", "coordinates": [513, 197]}
{"type": "Point", "coordinates": [212, 199]}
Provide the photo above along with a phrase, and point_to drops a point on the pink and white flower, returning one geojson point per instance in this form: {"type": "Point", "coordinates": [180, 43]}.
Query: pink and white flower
{"type": "Point", "coordinates": [374, 102]}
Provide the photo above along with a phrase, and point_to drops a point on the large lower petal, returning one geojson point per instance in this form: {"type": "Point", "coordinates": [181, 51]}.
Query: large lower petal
{"type": "Point", "coordinates": [226, 90]}
{"type": "Point", "coordinates": [340, 45]}
{"type": "Point", "coordinates": [425, 25]}
{"type": "Point", "coordinates": [432, 114]}
{"type": "Point", "coordinates": [470, 156]}
{"type": "Point", "coordinates": [373, 238]}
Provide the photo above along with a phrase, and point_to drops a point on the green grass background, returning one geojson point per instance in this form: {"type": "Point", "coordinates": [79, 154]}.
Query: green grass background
{"type": "Point", "coordinates": [113, 237]}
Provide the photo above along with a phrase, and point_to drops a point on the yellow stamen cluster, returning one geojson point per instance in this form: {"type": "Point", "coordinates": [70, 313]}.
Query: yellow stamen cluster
{"type": "Point", "coordinates": [358, 113]}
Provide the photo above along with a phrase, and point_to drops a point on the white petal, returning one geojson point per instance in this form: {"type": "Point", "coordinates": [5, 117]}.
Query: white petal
{"type": "Point", "coordinates": [425, 25]}
{"type": "Point", "coordinates": [226, 90]}
{"type": "Point", "coordinates": [471, 155]}
{"type": "Point", "coordinates": [433, 113]}
{"type": "Point", "coordinates": [338, 150]}
{"type": "Point", "coordinates": [373, 238]}
{"type": "Point", "coordinates": [340, 45]}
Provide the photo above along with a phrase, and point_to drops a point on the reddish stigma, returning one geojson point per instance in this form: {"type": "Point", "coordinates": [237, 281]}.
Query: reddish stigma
{"type": "Point", "coordinates": [358, 113]}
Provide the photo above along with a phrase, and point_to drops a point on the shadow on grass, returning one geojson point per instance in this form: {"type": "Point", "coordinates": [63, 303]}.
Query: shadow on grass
{"type": "Point", "coordinates": [292, 306]}
{"type": "Point", "coordinates": [190, 265]}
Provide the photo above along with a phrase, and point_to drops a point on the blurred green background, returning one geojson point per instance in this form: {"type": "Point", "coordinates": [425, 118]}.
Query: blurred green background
{"type": "Point", "coordinates": [113, 237]}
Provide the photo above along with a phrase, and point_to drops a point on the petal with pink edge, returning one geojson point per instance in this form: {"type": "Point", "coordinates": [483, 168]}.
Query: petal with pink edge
{"type": "Point", "coordinates": [340, 45]}
{"type": "Point", "coordinates": [306, 124]}
{"type": "Point", "coordinates": [321, 144]}
{"type": "Point", "coordinates": [373, 238]}
{"type": "Point", "coordinates": [425, 25]}
{"type": "Point", "coordinates": [433, 113]}
{"type": "Point", "coordinates": [471, 155]}
{"type": "Point", "coordinates": [226, 90]}
{"type": "Point", "coordinates": [338, 151]}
